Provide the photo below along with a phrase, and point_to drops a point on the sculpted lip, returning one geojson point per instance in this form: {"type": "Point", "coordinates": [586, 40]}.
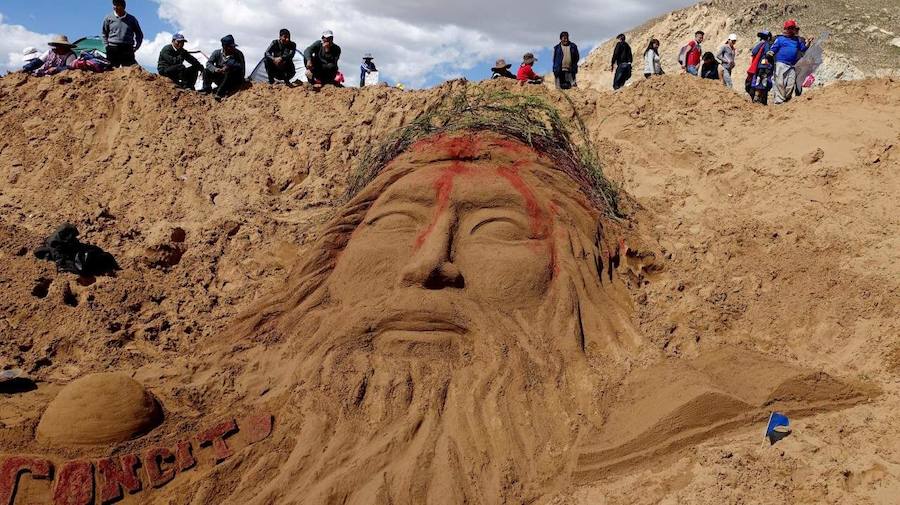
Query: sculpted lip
{"type": "Point", "coordinates": [418, 327]}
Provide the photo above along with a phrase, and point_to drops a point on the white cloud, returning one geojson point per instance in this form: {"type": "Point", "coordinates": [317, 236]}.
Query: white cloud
{"type": "Point", "coordinates": [411, 40]}
{"type": "Point", "coordinates": [14, 38]}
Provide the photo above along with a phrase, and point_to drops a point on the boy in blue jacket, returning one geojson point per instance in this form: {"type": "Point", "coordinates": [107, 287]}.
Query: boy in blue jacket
{"type": "Point", "coordinates": [787, 50]}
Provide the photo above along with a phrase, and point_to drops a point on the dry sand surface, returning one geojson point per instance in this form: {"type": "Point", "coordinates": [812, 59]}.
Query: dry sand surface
{"type": "Point", "coordinates": [757, 268]}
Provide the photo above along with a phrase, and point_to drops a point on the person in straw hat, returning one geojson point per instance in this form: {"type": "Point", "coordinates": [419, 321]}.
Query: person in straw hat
{"type": "Point", "coordinates": [501, 70]}
{"type": "Point", "coordinates": [526, 72]}
{"type": "Point", "coordinates": [60, 58]}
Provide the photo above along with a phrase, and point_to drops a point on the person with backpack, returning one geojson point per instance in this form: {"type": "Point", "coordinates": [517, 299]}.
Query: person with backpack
{"type": "Point", "coordinates": [652, 63]}
{"type": "Point", "coordinates": [725, 57]}
{"type": "Point", "coordinates": [122, 36]}
{"type": "Point", "coordinates": [60, 58]}
{"type": "Point", "coordinates": [709, 69]}
{"type": "Point", "coordinates": [322, 61]}
{"type": "Point", "coordinates": [225, 68]}
{"type": "Point", "coordinates": [759, 73]}
{"type": "Point", "coordinates": [526, 72]}
{"type": "Point", "coordinates": [279, 58]}
{"type": "Point", "coordinates": [787, 50]}
{"type": "Point", "coordinates": [565, 62]}
{"type": "Point", "coordinates": [689, 57]}
{"type": "Point", "coordinates": [621, 62]}
{"type": "Point", "coordinates": [366, 68]}
{"type": "Point", "coordinates": [171, 62]}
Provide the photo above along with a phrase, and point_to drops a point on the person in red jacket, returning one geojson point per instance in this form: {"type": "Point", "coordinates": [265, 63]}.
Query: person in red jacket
{"type": "Point", "coordinates": [526, 71]}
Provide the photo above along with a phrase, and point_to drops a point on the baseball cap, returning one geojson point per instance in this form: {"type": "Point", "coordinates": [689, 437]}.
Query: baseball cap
{"type": "Point", "coordinates": [733, 36]}
{"type": "Point", "coordinates": [178, 37]}
{"type": "Point", "coordinates": [328, 34]}
{"type": "Point", "coordinates": [790, 23]}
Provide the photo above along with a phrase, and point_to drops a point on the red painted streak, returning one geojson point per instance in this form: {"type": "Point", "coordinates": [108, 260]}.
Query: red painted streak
{"type": "Point", "coordinates": [443, 186]}
{"type": "Point", "coordinates": [540, 220]}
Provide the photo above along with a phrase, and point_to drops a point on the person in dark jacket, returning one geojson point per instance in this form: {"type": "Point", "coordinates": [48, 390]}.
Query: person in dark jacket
{"type": "Point", "coordinates": [501, 70]}
{"type": "Point", "coordinates": [225, 68]}
{"type": "Point", "coordinates": [171, 62]}
{"type": "Point", "coordinates": [122, 36]}
{"type": "Point", "coordinates": [621, 62]}
{"type": "Point", "coordinates": [366, 68]}
{"type": "Point", "coordinates": [279, 59]}
{"type": "Point", "coordinates": [709, 69]}
{"type": "Point", "coordinates": [322, 61]}
{"type": "Point", "coordinates": [565, 62]}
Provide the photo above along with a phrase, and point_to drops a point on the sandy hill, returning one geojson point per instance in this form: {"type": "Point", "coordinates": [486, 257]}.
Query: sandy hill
{"type": "Point", "coordinates": [864, 35]}
{"type": "Point", "coordinates": [766, 229]}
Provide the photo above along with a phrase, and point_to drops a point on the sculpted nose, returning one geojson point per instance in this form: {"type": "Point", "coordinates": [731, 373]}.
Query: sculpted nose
{"type": "Point", "coordinates": [431, 265]}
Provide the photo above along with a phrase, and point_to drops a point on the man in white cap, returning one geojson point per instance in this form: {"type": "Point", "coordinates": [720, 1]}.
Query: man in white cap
{"type": "Point", "coordinates": [31, 59]}
{"type": "Point", "coordinates": [725, 57]}
{"type": "Point", "coordinates": [322, 61]}
{"type": "Point", "coordinates": [171, 62]}
{"type": "Point", "coordinates": [366, 68]}
{"type": "Point", "coordinates": [60, 58]}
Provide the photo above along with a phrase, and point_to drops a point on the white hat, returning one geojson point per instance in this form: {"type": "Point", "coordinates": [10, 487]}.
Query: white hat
{"type": "Point", "coordinates": [733, 36]}
{"type": "Point", "coordinates": [327, 34]}
{"type": "Point", "coordinates": [30, 53]}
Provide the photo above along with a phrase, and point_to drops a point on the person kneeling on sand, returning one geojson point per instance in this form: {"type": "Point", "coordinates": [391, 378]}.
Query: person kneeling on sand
{"type": "Point", "coordinates": [171, 63]}
{"type": "Point", "coordinates": [322, 61]}
{"type": "Point", "coordinates": [526, 71]}
{"type": "Point", "coordinates": [710, 67]}
{"type": "Point", "coordinates": [60, 58]}
{"type": "Point", "coordinates": [225, 68]}
{"type": "Point", "coordinates": [279, 59]}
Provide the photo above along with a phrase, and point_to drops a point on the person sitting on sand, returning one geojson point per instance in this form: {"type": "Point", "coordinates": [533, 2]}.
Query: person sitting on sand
{"type": "Point", "coordinates": [171, 63]}
{"type": "Point", "coordinates": [652, 63]}
{"type": "Point", "coordinates": [60, 58]}
{"type": "Point", "coordinates": [526, 71]}
{"type": "Point", "coordinates": [279, 58]}
{"type": "Point", "coordinates": [500, 70]}
{"type": "Point", "coordinates": [709, 69]}
{"type": "Point", "coordinates": [322, 61]}
{"type": "Point", "coordinates": [225, 68]}
{"type": "Point", "coordinates": [31, 59]}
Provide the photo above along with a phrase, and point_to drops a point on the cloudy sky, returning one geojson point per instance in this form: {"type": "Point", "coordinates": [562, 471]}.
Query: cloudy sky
{"type": "Point", "coordinates": [416, 42]}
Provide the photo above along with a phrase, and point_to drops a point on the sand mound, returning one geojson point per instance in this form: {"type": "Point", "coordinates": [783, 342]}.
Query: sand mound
{"type": "Point", "coordinates": [99, 409]}
{"type": "Point", "coordinates": [749, 232]}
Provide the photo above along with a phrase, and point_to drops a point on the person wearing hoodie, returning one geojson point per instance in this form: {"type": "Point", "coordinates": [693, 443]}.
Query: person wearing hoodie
{"type": "Point", "coordinates": [565, 62]}
{"type": "Point", "coordinates": [725, 57]}
{"type": "Point", "coordinates": [787, 50]}
{"type": "Point", "coordinates": [621, 62]}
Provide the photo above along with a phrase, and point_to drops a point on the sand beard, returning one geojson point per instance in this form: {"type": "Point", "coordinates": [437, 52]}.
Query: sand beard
{"type": "Point", "coordinates": [489, 419]}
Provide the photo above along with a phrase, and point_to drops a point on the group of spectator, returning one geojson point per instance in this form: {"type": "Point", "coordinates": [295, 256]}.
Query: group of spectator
{"type": "Point", "coordinates": [772, 66]}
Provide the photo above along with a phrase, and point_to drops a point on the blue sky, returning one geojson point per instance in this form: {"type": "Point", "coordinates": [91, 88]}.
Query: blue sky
{"type": "Point", "coordinates": [419, 43]}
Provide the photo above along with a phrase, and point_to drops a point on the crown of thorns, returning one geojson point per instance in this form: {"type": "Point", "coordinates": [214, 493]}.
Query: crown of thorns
{"type": "Point", "coordinates": [528, 119]}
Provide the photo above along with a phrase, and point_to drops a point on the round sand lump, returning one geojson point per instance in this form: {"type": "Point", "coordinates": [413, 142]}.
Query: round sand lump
{"type": "Point", "coordinates": [97, 409]}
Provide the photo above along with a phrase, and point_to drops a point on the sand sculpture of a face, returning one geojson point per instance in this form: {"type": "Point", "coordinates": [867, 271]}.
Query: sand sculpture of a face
{"type": "Point", "coordinates": [458, 337]}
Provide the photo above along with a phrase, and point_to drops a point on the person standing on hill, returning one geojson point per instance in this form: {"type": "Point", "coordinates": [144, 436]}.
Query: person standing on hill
{"type": "Point", "coordinates": [652, 63]}
{"type": "Point", "coordinates": [725, 57]}
{"type": "Point", "coordinates": [565, 62]}
{"type": "Point", "coordinates": [122, 36]}
{"type": "Point", "coordinates": [322, 61]}
{"type": "Point", "coordinates": [171, 63]}
{"type": "Point", "coordinates": [690, 54]}
{"type": "Point", "coordinates": [787, 50]}
{"type": "Point", "coordinates": [621, 62]}
{"type": "Point", "coordinates": [225, 68]}
{"type": "Point", "coordinates": [759, 73]}
{"type": "Point", "coordinates": [365, 68]}
{"type": "Point", "coordinates": [279, 58]}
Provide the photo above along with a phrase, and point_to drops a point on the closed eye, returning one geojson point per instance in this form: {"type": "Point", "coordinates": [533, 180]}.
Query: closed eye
{"type": "Point", "coordinates": [502, 229]}
{"type": "Point", "coordinates": [394, 221]}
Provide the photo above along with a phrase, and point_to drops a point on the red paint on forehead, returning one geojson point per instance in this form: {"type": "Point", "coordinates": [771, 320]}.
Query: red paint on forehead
{"type": "Point", "coordinates": [443, 186]}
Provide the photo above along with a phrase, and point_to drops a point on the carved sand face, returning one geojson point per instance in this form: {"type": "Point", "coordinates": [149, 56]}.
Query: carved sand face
{"type": "Point", "coordinates": [450, 234]}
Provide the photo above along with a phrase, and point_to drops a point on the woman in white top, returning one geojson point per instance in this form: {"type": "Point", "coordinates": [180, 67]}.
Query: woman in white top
{"type": "Point", "coordinates": [652, 65]}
